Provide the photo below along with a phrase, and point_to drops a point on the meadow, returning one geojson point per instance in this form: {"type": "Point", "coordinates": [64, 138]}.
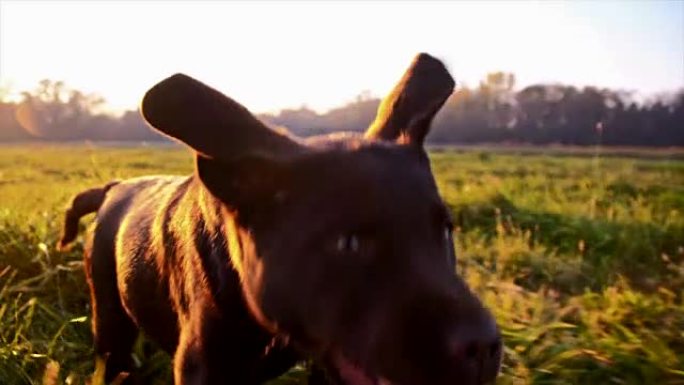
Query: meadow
{"type": "Point", "coordinates": [579, 256]}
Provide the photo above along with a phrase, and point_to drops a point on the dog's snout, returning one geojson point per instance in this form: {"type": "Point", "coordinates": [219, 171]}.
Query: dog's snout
{"type": "Point", "coordinates": [476, 347]}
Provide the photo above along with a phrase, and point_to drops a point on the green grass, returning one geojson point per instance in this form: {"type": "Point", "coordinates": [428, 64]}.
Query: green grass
{"type": "Point", "coordinates": [581, 259]}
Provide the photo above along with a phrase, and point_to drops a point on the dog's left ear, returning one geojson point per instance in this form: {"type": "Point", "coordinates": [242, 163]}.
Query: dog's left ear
{"type": "Point", "coordinates": [406, 114]}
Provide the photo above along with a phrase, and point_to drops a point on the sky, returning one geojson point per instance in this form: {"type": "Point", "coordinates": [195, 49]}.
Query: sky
{"type": "Point", "coordinates": [274, 55]}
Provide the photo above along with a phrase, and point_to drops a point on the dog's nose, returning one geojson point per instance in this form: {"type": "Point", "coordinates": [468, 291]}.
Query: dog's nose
{"type": "Point", "coordinates": [476, 348]}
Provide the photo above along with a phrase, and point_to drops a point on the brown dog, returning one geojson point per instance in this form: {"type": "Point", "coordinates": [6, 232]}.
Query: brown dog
{"type": "Point", "coordinates": [338, 246]}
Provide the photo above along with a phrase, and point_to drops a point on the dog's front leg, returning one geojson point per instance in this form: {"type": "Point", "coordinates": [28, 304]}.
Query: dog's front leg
{"type": "Point", "coordinates": [217, 350]}
{"type": "Point", "coordinates": [189, 363]}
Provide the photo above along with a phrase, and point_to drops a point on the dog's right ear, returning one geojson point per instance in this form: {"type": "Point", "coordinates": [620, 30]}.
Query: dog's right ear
{"type": "Point", "coordinates": [238, 158]}
{"type": "Point", "coordinates": [213, 124]}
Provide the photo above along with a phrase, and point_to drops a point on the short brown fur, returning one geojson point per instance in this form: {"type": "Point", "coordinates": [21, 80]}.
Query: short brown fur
{"type": "Point", "coordinates": [279, 249]}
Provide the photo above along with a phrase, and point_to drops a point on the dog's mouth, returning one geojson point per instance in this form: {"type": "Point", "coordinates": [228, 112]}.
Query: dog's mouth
{"type": "Point", "coordinates": [349, 372]}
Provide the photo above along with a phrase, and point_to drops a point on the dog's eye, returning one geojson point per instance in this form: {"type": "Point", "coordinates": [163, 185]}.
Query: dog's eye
{"type": "Point", "coordinates": [448, 230]}
{"type": "Point", "coordinates": [347, 244]}
{"type": "Point", "coordinates": [449, 243]}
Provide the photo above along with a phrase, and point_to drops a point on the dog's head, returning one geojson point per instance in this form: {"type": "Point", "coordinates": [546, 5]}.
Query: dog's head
{"type": "Point", "coordinates": [342, 242]}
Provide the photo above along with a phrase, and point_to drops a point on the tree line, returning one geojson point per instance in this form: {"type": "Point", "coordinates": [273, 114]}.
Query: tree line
{"type": "Point", "coordinates": [492, 112]}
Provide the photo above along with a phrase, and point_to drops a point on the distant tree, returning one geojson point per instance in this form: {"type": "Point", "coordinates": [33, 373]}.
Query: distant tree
{"type": "Point", "coordinates": [54, 111]}
{"type": "Point", "coordinates": [494, 111]}
{"type": "Point", "coordinates": [674, 132]}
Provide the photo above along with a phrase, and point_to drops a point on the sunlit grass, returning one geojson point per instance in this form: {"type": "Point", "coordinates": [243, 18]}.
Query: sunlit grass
{"type": "Point", "coordinates": [581, 260]}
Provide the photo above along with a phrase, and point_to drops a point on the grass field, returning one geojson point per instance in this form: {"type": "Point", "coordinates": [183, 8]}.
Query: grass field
{"type": "Point", "coordinates": [581, 259]}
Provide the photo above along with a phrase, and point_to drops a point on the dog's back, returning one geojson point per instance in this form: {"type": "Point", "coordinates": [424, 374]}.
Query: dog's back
{"type": "Point", "coordinates": [127, 251]}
